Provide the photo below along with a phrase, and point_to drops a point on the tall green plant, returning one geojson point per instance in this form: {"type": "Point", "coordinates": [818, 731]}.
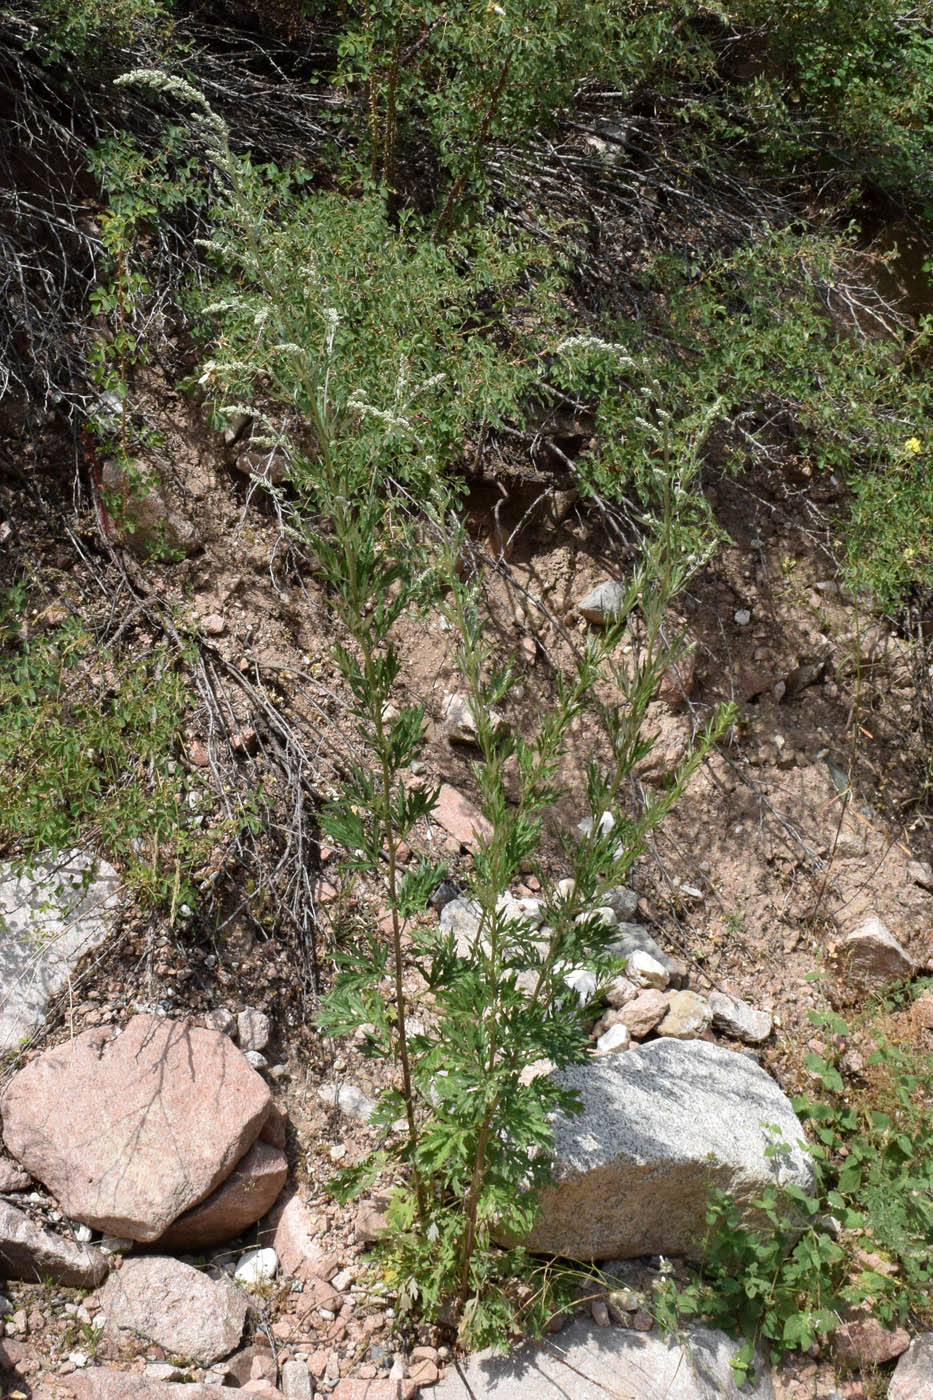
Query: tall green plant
{"type": "Point", "coordinates": [473, 1148]}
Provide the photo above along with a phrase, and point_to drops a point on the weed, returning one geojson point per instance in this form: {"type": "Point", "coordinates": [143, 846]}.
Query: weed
{"type": "Point", "coordinates": [862, 1237]}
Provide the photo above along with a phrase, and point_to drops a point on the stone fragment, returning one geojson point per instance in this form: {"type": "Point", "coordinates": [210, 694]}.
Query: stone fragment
{"type": "Point", "coordinates": [599, 1311]}
{"type": "Point", "coordinates": [262, 1389]}
{"type": "Point", "coordinates": [296, 1381]}
{"type": "Point", "coordinates": [583, 982]}
{"type": "Point", "coordinates": [222, 1019]}
{"type": "Point", "coordinates": [257, 1266]}
{"type": "Point", "coordinates": [128, 1133]}
{"type": "Point", "coordinates": [737, 1018]}
{"type": "Point", "coordinates": [253, 1029]}
{"type": "Point", "coordinates": [623, 900]}
{"type": "Point", "coordinates": [589, 1362]}
{"type": "Point", "coordinates": [176, 1307]}
{"type": "Point", "coordinates": [913, 1374]}
{"type": "Point", "coordinates": [646, 971]}
{"type": "Point", "coordinates": [870, 957]}
{"type": "Point", "coordinates": [31, 1252]}
{"type": "Point", "coordinates": [621, 991]}
{"type": "Point", "coordinates": [459, 721]}
{"type": "Point", "coordinates": [604, 603]}
{"type": "Point", "coordinates": [143, 519]}
{"type": "Point", "coordinates": [660, 1126]}
{"type": "Point", "coordinates": [460, 817]}
{"type": "Point", "coordinates": [52, 914]}
{"type": "Point", "coordinates": [644, 1013]}
{"type": "Point", "coordinates": [99, 1383]}
{"type": "Point", "coordinates": [688, 1014]}
{"type": "Point", "coordinates": [633, 938]}
{"type": "Point", "coordinates": [350, 1099]}
{"type": "Point", "coordinates": [249, 1192]}
{"type": "Point", "coordinates": [617, 1037]}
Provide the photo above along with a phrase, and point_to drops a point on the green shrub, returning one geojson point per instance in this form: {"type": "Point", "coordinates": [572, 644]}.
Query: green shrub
{"type": "Point", "coordinates": [91, 33]}
{"type": "Point", "coordinates": [863, 1237]}
{"type": "Point", "coordinates": [89, 750]}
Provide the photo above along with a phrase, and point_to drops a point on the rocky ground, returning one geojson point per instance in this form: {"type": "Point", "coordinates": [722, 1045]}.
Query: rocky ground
{"type": "Point", "coordinates": [803, 827]}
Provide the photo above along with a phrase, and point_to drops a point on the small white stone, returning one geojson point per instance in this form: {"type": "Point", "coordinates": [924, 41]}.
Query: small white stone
{"type": "Point", "coordinates": [83, 1233]}
{"type": "Point", "coordinates": [257, 1266]}
{"type": "Point", "coordinates": [350, 1099]}
{"type": "Point", "coordinates": [78, 1359]}
{"type": "Point", "coordinates": [583, 982]}
{"type": "Point", "coordinates": [615, 1038]}
{"type": "Point", "coordinates": [743, 617]}
{"type": "Point", "coordinates": [566, 888]}
{"type": "Point", "coordinates": [257, 1060]}
{"type": "Point", "coordinates": [342, 1281]}
{"type": "Point", "coordinates": [646, 970]}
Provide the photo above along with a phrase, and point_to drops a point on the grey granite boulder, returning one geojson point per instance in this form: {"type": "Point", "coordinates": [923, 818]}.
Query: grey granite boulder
{"type": "Point", "coordinates": [586, 1362]}
{"type": "Point", "coordinates": [660, 1126]}
{"type": "Point", "coordinates": [52, 914]}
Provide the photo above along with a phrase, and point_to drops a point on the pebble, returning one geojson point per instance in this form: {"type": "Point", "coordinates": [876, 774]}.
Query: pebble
{"type": "Point", "coordinates": [743, 617]}
{"type": "Point", "coordinates": [737, 1018]}
{"type": "Point", "coordinates": [82, 1233]}
{"type": "Point", "coordinates": [350, 1099]}
{"type": "Point", "coordinates": [599, 1312]}
{"type": "Point", "coordinates": [253, 1029]}
{"type": "Point", "coordinates": [617, 1037]}
{"type": "Point", "coordinates": [646, 971]}
{"type": "Point", "coordinates": [604, 603]}
{"type": "Point", "coordinates": [688, 1015]}
{"type": "Point", "coordinates": [257, 1266]}
{"type": "Point", "coordinates": [624, 901]}
{"type": "Point", "coordinates": [583, 982]}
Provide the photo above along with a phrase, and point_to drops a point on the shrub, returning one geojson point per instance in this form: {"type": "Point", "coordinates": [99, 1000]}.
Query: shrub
{"type": "Point", "coordinates": [863, 1237]}
{"type": "Point", "coordinates": [88, 751]}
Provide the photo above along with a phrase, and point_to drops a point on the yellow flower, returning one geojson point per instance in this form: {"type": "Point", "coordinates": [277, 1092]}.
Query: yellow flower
{"type": "Point", "coordinates": [912, 446]}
